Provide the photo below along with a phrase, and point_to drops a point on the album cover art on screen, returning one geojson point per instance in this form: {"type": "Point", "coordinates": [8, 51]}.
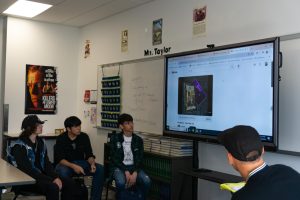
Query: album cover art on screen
{"type": "Point", "coordinates": [195, 95]}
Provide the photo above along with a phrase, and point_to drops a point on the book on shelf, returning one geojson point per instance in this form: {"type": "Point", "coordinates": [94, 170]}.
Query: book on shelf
{"type": "Point", "coordinates": [167, 146]}
{"type": "Point", "coordinates": [180, 154]}
{"type": "Point", "coordinates": [181, 150]}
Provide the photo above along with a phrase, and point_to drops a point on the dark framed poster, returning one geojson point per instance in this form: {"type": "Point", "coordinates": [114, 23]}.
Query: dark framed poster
{"type": "Point", "coordinates": [40, 89]}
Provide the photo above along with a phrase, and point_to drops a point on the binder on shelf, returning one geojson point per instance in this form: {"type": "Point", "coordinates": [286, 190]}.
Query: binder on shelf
{"type": "Point", "coordinates": [111, 99]}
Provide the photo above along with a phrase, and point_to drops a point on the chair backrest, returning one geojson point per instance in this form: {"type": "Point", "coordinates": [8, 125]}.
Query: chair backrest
{"type": "Point", "coordinates": [55, 161]}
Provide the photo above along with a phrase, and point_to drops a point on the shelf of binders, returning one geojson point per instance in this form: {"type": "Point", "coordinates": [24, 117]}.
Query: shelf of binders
{"type": "Point", "coordinates": [163, 171]}
{"type": "Point", "coordinates": [157, 166]}
{"type": "Point", "coordinates": [111, 101]}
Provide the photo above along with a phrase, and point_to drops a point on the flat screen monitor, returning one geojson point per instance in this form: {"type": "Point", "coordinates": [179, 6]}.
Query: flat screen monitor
{"type": "Point", "coordinates": [210, 90]}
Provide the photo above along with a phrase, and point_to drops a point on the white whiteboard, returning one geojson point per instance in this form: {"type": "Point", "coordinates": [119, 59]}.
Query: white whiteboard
{"type": "Point", "coordinates": [142, 92]}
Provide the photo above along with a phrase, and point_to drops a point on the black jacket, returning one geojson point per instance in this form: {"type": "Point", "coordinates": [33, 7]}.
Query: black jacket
{"type": "Point", "coordinates": [78, 149]}
{"type": "Point", "coordinates": [46, 172]}
{"type": "Point", "coordinates": [117, 153]}
{"type": "Point", "coordinates": [276, 182]}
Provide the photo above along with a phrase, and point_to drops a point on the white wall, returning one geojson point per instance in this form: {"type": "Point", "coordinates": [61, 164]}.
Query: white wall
{"type": "Point", "coordinates": [228, 21]}
{"type": "Point", "coordinates": [2, 73]}
{"type": "Point", "coordinates": [31, 42]}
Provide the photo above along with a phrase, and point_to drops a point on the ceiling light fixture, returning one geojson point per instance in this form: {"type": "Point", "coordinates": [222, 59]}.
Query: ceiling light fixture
{"type": "Point", "coordinates": [26, 8]}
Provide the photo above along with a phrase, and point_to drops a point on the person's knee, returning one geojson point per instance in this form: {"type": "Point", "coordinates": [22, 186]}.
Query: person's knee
{"type": "Point", "coordinates": [147, 181]}
{"type": "Point", "coordinates": [144, 179]}
{"type": "Point", "coordinates": [99, 169]}
{"type": "Point", "coordinates": [119, 178]}
{"type": "Point", "coordinates": [63, 171]}
{"type": "Point", "coordinates": [120, 183]}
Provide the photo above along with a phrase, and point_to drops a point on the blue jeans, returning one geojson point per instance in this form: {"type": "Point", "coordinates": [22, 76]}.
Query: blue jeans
{"type": "Point", "coordinates": [97, 184]}
{"type": "Point", "coordinates": [143, 183]}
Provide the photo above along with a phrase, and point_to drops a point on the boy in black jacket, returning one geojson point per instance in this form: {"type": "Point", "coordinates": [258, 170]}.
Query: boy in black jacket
{"type": "Point", "coordinates": [29, 154]}
{"type": "Point", "coordinates": [126, 152]}
{"type": "Point", "coordinates": [74, 155]}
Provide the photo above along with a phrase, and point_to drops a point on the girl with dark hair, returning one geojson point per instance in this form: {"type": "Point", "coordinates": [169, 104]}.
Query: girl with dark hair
{"type": "Point", "coordinates": [29, 154]}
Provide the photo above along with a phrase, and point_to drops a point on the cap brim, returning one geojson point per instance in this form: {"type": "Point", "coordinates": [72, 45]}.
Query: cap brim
{"type": "Point", "coordinates": [41, 122]}
{"type": "Point", "coordinates": [222, 136]}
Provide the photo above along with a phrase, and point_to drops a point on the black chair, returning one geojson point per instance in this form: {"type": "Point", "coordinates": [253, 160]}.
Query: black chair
{"type": "Point", "coordinates": [108, 183]}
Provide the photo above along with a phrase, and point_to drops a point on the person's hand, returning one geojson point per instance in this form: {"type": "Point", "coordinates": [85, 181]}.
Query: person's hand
{"type": "Point", "coordinates": [127, 176]}
{"type": "Point", "coordinates": [93, 168]}
{"type": "Point", "coordinates": [132, 179]}
{"type": "Point", "coordinates": [77, 169]}
{"type": "Point", "coordinates": [58, 182]}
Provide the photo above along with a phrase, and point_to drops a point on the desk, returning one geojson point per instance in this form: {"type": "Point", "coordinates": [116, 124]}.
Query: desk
{"type": "Point", "coordinates": [11, 176]}
{"type": "Point", "coordinates": [209, 175]}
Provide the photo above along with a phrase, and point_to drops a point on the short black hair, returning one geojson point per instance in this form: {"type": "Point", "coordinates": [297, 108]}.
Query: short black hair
{"type": "Point", "coordinates": [72, 121]}
{"type": "Point", "coordinates": [124, 118]}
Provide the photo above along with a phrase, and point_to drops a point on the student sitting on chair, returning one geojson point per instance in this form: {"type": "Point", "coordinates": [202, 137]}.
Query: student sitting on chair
{"type": "Point", "coordinates": [74, 155]}
{"type": "Point", "coordinates": [126, 153]}
{"type": "Point", "coordinates": [29, 154]}
{"type": "Point", "coordinates": [245, 153]}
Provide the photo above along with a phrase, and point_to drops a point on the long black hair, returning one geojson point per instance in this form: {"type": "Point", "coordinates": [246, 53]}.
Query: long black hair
{"type": "Point", "coordinates": [28, 131]}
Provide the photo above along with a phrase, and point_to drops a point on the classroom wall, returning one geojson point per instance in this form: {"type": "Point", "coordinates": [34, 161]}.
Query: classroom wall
{"type": "Point", "coordinates": [2, 72]}
{"type": "Point", "coordinates": [228, 22]}
{"type": "Point", "coordinates": [32, 42]}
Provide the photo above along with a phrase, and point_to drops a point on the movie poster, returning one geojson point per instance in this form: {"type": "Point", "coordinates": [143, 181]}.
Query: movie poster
{"type": "Point", "coordinates": [40, 89]}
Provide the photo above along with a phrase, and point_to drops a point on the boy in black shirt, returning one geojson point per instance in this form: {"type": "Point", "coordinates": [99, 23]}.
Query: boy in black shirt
{"type": "Point", "coordinates": [74, 155]}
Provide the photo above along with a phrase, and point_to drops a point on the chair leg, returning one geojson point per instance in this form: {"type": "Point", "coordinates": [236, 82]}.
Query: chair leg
{"type": "Point", "coordinates": [106, 196]}
{"type": "Point", "coordinates": [15, 197]}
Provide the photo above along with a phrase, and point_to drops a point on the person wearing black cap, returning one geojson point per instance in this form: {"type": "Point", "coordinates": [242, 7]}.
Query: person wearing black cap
{"type": "Point", "coordinates": [244, 153]}
{"type": "Point", "coordinates": [29, 154]}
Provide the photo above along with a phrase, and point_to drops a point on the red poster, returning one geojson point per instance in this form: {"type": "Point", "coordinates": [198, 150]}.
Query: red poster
{"type": "Point", "coordinates": [87, 95]}
{"type": "Point", "coordinates": [40, 89]}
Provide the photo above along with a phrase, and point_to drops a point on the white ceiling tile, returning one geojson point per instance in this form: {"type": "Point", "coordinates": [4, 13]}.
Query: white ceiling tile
{"type": "Point", "coordinates": [4, 4]}
{"type": "Point", "coordinates": [79, 12]}
{"type": "Point", "coordinates": [105, 11]}
{"type": "Point", "coordinates": [69, 9]}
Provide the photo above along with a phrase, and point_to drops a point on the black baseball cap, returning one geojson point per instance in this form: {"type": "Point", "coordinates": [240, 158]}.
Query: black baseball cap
{"type": "Point", "coordinates": [30, 121]}
{"type": "Point", "coordinates": [242, 142]}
